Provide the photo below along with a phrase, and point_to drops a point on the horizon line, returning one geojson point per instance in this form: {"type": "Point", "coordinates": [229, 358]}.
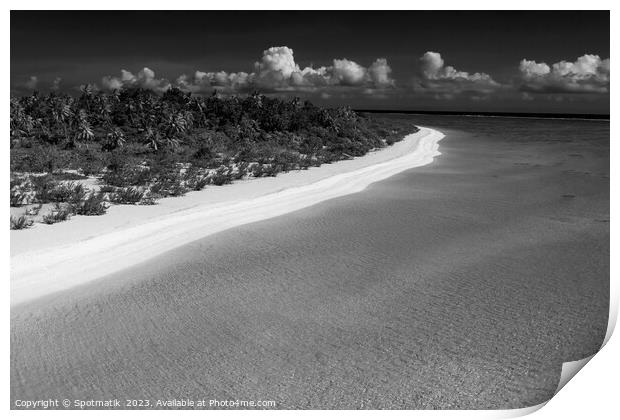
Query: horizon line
{"type": "Point", "coordinates": [549, 115]}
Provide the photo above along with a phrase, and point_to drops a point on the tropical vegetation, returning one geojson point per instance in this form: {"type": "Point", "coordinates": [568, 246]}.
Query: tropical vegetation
{"type": "Point", "coordinates": [142, 146]}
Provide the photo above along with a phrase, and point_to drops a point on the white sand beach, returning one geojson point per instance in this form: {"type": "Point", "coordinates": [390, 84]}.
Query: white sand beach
{"type": "Point", "coordinates": [51, 258]}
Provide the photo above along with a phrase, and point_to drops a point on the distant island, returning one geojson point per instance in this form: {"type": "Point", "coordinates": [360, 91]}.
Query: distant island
{"type": "Point", "coordinates": [78, 155]}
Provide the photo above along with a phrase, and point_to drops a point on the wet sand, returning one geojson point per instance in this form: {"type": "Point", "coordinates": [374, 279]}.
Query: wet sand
{"type": "Point", "coordinates": [462, 284]}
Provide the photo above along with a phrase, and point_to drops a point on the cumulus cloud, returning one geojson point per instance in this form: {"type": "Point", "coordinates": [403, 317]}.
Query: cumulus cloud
{"type": "Point", "coordinates": [447, 81]}
{"type": "Point", "coordinates": [588, 74]}
{"type": "Point", "coordinates": [431, 64]}
{"type": "Point", "coordinates": [277, 70]}
{"type": "Point", "coordinates": [145, 78]}
{"type": "Point", "coordinates": [379, 73]}
{"type": "Point", "coordinates": [277, 66]}
{"type": "Point", "coordinates": [112, 83]}
{"type": "Point", "coordinates": [348, 73]}
{"type": "Point", "coordinates": [202, 82]}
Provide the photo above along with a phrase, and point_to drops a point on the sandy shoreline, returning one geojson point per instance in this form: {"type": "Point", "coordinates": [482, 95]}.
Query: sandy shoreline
{"type": "Point", "coordinates": [49, 259]}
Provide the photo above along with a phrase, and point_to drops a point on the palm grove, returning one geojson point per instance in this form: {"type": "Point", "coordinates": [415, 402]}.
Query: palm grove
{"type": "Point", "coordinates": [141, 146]}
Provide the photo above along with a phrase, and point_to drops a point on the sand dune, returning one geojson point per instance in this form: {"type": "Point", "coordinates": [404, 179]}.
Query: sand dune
{"type": "Point", "coordinates": [40, 271]}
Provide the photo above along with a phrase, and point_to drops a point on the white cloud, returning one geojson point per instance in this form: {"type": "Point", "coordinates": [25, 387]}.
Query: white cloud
{"type": "Point", "coordinates": [379, 73]}
{"type": "Point", "coordinates": [277, 63]}
{"type": "Point", "coordinates": [203, 82]}
{"type": "Point", "coordinates": [278, 71]}
{"type": "Point", "coordinates": [430, 64]}
{"type": "Point", "coordinates": [348, 73]}
{"type": "Point", "coordinates": [145, 79]}
{"type": "Point", "coordinates": [111, 83]}
{"type": "Point", "coordinates": [533, 69]}
{"type": "Point", "coordinates": [435, 76]}
{"type": "Point", "coordinates": [275, 71]}
{"type": "Point", "coordinates": [588, 74]}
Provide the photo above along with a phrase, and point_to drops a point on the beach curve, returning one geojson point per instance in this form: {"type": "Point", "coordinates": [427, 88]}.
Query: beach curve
{"type": "Point", "coordinates": [39, 272]}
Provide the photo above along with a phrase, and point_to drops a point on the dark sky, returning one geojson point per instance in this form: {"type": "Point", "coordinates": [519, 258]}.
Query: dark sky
{"type": "Point", "coordinates": [83, 47]}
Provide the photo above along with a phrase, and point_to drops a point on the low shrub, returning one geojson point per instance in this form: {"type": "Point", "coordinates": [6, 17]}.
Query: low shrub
{"type": "Point", "coordinates": [257, 170]}
{"type": "Point", "coordinates": [271, 170]}
{"type": "Point", "coordinates": [305, 162]}
{"type": "Point", "coordinates": [21, 222]}
{"type": "Point", "coordinates": [169, 184]}
{"type": "Point", "coordinates": [42, 158]}
{"type": "Point", "coordinates": [168, 188]}
{"type": "Point", "coordinates": [18, 197]}
{"type": "Point", "coordinates": [58, 214]}
{"type": "Point", "coordinates": [34, 210]}
{"type": "Point", "coordinates": [127, 176]}
{"type": "Point", "coordinates": [90, 163]}
{"type": "Point", "coordinates": [221, 176]}
{"type": "Point", "coordinates": [147, 200]}
{"type": "Point", "coordinates": [192, 178]}
{"type": "Point", "coordinates": [201, 183]}
{"type": "Point", "coordinates": [195, 180]}
{"type": "Point", "coordinates": [105, 189]}
{"type": "Point", "coordinates": [241, 171]}
{"type": "Point", "coordinates": [93, 205]}
{"type": "Point", "coordinates": [78, 194]}
{"type": "Point", "coordinates": [127, 195]}
{"type": "Point", "coordinates": [43, 185]}
{"type": "Point", "coordinates": [71, 192]}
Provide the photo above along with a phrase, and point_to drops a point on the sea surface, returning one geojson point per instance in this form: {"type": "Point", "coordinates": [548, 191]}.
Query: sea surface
{"type": "Point", "coordinates": [464, 284]}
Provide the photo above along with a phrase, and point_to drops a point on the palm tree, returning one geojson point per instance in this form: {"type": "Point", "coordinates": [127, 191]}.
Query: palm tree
{"type": "Point", "coordinates": [152, 138]}
{"type": "Point", "coordinates": [102, 107]}
{"type": "Point", "coordinates": [21, 124]}
{"type": "Point", "coordinates": [175, 125]}
{"type": "Point", "coordinates": [62, 113]}
{"type": "Point", "coordinates": [86, 98]}
{"type": "Point", "coordinates": [197, 106]}
{"type": "Point", "coordinates": [84, 130]}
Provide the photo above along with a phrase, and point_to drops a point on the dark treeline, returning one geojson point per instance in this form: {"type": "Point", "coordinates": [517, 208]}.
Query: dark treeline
{"type": "Point", "coordinates": [143, 146]}
{"type": "Point", "coordinates": [94, 130]}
